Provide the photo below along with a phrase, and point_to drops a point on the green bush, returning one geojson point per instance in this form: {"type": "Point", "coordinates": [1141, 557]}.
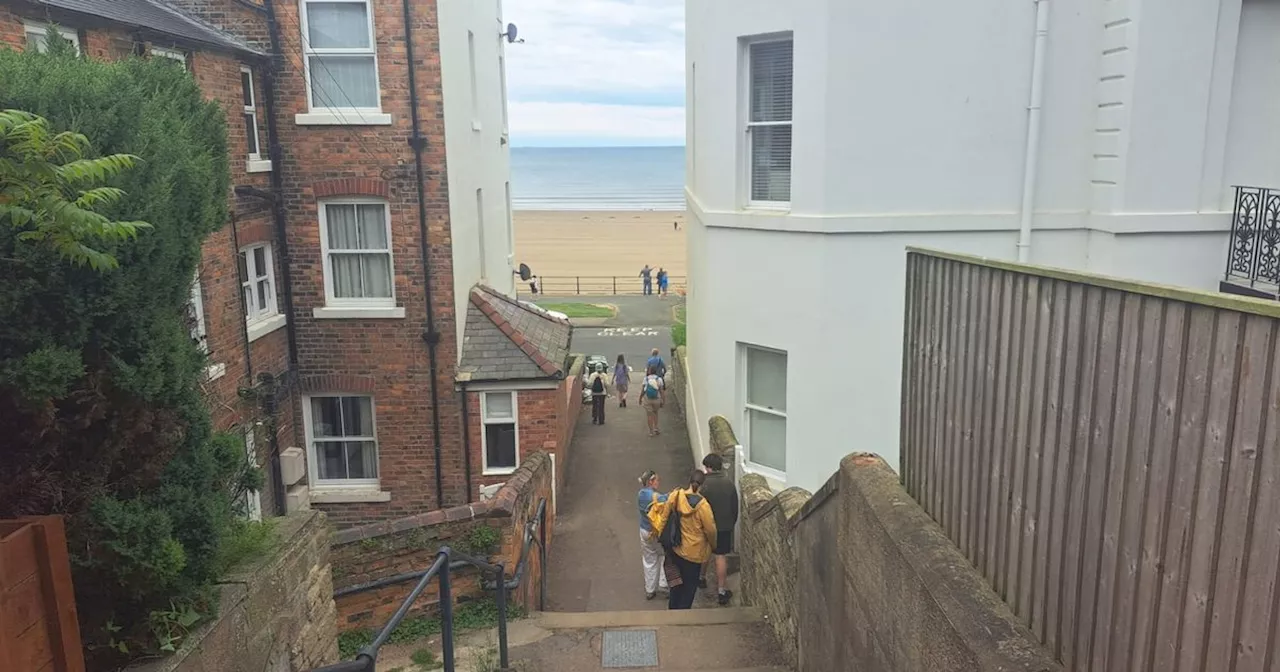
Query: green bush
{"type": "Point", "coordinates": [100, 383]}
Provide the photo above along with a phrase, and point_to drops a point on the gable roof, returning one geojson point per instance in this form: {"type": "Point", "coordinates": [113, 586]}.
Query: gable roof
{"type": "Point", "coordinates": [508, 340]}
{"type": "Point", "coordinates": [156, 16]}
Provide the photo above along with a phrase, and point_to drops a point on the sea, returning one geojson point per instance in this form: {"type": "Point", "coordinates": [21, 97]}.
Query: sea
{"type": "Point", "coordinates": [597, 178]}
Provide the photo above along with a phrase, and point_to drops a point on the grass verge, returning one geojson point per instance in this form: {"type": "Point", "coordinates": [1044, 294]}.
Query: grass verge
{"type": "Point", "coordinates": [578, 309]}
{"type": "Point", "coordinates": [475, 615]}
{"type": "Point", "coordinates": [678, 330]}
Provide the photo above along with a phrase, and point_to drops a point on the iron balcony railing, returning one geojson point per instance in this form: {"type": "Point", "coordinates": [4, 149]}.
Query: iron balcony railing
{"type": "Point", "coordinates": [1254, 255]}
{"type": "Point", "coordinates": [598, 285]}
{"type": "Point", "coordinates": [442, 568]}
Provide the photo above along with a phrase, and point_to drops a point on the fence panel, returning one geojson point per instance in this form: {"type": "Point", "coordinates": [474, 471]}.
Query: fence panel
{"type": "Point", "coordinates": [1106, 453]}
{"type": "Point", "coordinates": [38, 629]}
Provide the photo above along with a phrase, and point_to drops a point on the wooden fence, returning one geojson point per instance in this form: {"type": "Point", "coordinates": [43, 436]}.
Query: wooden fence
{"type": "Point", "coordinates": [38, 629]}
{"type": "Point", "coordinates": [1106, 453]}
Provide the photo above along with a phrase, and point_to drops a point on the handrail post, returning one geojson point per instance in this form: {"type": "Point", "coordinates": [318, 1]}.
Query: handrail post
{"type": "Point", "coordinates": [615, 285]}
{"type": "Point", "coordinates": [577, 283]}
{"type": "Point", "coordinates": [446, 618]}
{"type": "Point", "coordinates": [503, 659]}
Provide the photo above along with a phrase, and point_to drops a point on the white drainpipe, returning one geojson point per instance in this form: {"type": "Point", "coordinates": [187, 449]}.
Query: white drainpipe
{"type": "Point", "coordinates": [1031, 166]}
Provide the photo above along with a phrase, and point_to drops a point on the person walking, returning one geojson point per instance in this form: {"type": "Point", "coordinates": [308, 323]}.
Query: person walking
{"type": "Point", "coordinates": [723, 498]}
{"type": "Point", "coordinates": [621, 380]}
{"type": "Point", "coordinates": [650, 550]}
{"type": "Point", "coordinates": [655, 361]}
{"type": "Point", "coordinates": [662, 282]}
{"type": "Point", "coordinates": [689, 514]}
{"type": "Point", "coordinates": [646, 275]}
{"type": "Point", "coordinates": [653, 396]}
{"type": "Point", "coordinates": [599, 386]}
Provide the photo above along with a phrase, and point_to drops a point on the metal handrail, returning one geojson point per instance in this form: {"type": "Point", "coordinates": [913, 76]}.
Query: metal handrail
{"type": "Point", "coordinates": [448, 559]}
{"type": "Point", "coordinates": [599, 285]}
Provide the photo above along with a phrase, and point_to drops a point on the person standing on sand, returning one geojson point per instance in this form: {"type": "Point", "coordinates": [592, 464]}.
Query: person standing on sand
{"type": "Point", "coordinates": [646, 274]}
{"type": "Point", "coordinates": [621, 380]}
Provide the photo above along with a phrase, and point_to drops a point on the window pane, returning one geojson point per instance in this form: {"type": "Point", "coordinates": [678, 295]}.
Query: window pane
{"type": "Point", "coordinates": [248, 301]}
{"type": "Point", "coordinates": [326, 416]}
{"type": "Point", "coordinates": [771, 163]}
{"type": "Point", "coordinates": [264, 294]}
{"type": "Point", "coordinates": [251, 132]}
{"type": "Point", "coordinates": [767, 379]}
{"type": "Point", "coordinates": [332, 460]}
{"type": "Point", "coordinates": [500, 446]}
{"type": "Point", "coordinates": [357, 416]}
{"type": "Point", "coordinates": [341, 224]}
{"type": "Point", "coordinates": [375, 276]}
{"type": "Point", "coordinates": [342, 25]}
{"type": "Point", "coordinates": [771, 81]}
{"type": "Point", "coordinates": [373, 227]}
{"type": "Point", "coordinates": [244, 266]}
{"type": "Point", "coordinates": [344, 81]}
{"type": "Point", "coordinates": [259, 262]}
{"type": "Point", "coordinates": [498, 406]}
{"type": "Point", "coordinates": [346, 276]}
{"type": "Point", "coordinates": [246, 88]}
{"type": "Point", "coordinates": [362, 459]}
{"type": "Point", "coordinates": [767, 439]}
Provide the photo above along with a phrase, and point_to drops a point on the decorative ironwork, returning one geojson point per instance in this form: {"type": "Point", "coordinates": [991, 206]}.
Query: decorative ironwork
{"type": "Point", "coordinates": [1254, 255]}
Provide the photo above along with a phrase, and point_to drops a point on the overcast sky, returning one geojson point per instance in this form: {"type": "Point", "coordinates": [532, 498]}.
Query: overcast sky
{"type": "Point", "coordinates": [596, 72]}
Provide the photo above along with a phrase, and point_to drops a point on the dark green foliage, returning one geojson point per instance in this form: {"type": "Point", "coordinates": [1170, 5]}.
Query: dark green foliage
{"type": "Point", "coordinates": [473, 615]}
{"type": "Point", "coordinates": [100, 383]}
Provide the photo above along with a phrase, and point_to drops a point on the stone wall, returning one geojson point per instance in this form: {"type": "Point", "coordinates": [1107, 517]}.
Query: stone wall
{"type": "Point", "coordinates": [379, 550]}
{"type": "Point", "coordinates": [858, 573]}
{"type": "Point", "coordinates": [274, 614]}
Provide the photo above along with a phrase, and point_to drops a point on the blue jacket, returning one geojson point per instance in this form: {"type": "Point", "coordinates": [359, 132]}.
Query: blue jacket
{"type": "Point", "coordinates": [645, 497]}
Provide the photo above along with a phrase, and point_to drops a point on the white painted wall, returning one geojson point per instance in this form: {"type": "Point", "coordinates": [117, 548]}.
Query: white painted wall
{"type": "Point", "coordinates": [476, 149]}
{"type": "Point", "coordinates": [909, 129]}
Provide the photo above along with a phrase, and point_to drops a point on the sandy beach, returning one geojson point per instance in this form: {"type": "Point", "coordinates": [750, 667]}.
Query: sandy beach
{"type": "Point", "coordinates": [575, 243]}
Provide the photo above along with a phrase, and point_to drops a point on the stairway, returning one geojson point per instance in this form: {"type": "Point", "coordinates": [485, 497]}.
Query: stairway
{"type": "Point", "coordinates": [698, 640]}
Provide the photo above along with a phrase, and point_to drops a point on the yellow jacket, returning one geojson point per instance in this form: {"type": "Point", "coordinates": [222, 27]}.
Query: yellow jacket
{"type": "Point", "coordinates": [697, 526]}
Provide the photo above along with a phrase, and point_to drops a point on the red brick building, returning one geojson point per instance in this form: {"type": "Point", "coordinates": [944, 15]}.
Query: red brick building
{"type": "Point", "coordinates": [330, 303]}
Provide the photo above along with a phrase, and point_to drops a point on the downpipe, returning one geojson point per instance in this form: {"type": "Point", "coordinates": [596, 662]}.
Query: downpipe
{"type": "Point", "coordinates": [1031, 162]}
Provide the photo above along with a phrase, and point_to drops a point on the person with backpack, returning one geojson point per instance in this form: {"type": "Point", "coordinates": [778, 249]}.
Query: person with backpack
{"type": "Point", "coordinates": [649, 499]}
{"type": "Point", "coordinates": [599, 386]}
{"type": "Point", "coordinates": [686, 529]}
{"type": "Point", "coordinates": [655, 360]}
{"type": "Point", "coordinates": [652, 397]}
{"type": "Point", "coordinates": [723, 497]}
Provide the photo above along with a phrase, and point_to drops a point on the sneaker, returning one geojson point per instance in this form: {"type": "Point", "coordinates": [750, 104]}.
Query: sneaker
{"type": "Point", "coordinates": [725, 596]}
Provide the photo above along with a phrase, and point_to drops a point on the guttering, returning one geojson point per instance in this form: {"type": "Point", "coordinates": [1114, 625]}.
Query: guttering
{"type": "Point", "coordinates": [431, 336]}
{"type": "Point", "coordinates": [1031, 163]}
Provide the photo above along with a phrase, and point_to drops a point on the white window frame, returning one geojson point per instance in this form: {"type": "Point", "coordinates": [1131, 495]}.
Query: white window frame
{"type": "Point", "coordinates": [171, 54]}
{"type": "Point", "coordinates": [743, 374]}
{"type": "Point", "coordinates": [41, 28]}
{"type": "Point", "coordinates": [485, 421]}
{"type": "Point", "coordinates": [747, 165]}
{"type": "Point", "coordinates": [313, 457]}
{"type": "Point", "coordinates": [337, 114]}
{"type": "Point", "coordinates": [331, 300]}
{"type": "Point", "coordinates": [256, 163]}
{"type": "Point", "coordinates": [260, 322]}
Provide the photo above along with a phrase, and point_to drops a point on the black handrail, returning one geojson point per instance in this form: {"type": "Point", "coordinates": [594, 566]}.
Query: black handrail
{"type": "Point", "coordinates": [447, 560]}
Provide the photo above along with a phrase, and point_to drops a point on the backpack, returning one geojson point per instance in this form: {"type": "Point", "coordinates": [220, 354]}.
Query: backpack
{"type": "Point", "coordinates": [651, 387]}
{"type": "Point", "coordinates": [597, 384]}
{"type": "Point", "coordinates": [670, 535]}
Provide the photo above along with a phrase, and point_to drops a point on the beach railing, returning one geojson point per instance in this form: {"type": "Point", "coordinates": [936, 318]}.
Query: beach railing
{"type": "Point", "coordinates": [598, 285]}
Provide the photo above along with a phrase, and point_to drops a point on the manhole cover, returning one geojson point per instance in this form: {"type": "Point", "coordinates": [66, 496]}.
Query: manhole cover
{"type": "Point", "coordinates": [630, 648]}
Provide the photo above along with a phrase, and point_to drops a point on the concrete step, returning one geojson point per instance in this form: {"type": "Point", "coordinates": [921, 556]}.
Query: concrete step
{"type": "Point", "coordinates": [570, 620]}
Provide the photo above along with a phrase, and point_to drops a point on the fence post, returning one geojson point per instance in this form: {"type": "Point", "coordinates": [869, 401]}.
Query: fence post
{"type": "Point", "coordinates": [503, 660]}
{"type": "Point", "coordinates": [615, 285]}
{"type": "Point", "coordinates": [446, 617]}
{"type": "Point", "coordinates": [577, 283]}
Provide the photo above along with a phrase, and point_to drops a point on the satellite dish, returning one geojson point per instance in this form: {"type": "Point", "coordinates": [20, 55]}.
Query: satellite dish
{"type": "Point", "coordinates": [524, 272]}
{"type": "Point", "coordinates": [512, 34]}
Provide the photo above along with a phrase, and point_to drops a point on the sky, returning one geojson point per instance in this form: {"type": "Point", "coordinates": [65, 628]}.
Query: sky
{"type": "Point", "coordinates": [596, 73]}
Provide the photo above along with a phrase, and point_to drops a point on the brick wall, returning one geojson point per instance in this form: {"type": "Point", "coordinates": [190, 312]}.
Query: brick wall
{"type": "Point", "coordinates": [378, 550]}
{"type": "Point", "coordinates": [275, 613]}
{"type": "Point", "coordinates": [547, 419]}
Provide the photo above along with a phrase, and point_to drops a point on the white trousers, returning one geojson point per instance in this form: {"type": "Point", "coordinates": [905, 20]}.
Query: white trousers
{"type": "Point", "coordinates": [651, 556]}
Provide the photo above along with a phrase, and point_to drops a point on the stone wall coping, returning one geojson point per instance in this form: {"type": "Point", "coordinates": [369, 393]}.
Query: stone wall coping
{"type": "Point", "coordinates": [502, 504]}
{"type": "Point", "coordinates": [289, 531]}
{"type": "Point", "coordinates": [983, 621]}
{"type": "Point", "coordinates": [722, 437]}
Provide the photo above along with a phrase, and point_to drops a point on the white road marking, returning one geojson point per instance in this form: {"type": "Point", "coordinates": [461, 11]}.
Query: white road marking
{"type": "Point", "coordinates": [628, 331]}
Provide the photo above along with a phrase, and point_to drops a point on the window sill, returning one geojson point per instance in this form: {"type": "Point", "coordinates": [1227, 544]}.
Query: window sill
{"type": "Point", "coordinates": [358, 313]}
{"type": "Point", "coordinates": [258, 166]}
{"type": "Point", "coordinates": [342, 118]}
{"type": "Point", "coordinates": [265, 326]}
{"type": "Point", "coordinates": [344, 496]}
{"type": "Point", "coordinates": [215, 371]}
{"type": "Point", "coordinates": [501, 471]}
{"type": "Point", "coordinates": [767, 207]}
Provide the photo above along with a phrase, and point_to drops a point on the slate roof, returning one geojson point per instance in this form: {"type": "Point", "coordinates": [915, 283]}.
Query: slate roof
{"type": "Point", "coordinates": [154, 15]}
{"type": "Point", "coordinates": [507, 340]}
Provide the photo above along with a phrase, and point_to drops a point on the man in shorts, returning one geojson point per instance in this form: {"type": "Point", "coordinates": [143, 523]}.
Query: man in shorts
{"type": "Point", "coordinates": [653, 393]}
{"type": "Point", "coordinates": [723, 498]}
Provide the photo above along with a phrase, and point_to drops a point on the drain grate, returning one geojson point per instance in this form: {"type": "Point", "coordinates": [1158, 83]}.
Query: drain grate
{"type": "Point", "coordinates": [629, 648]}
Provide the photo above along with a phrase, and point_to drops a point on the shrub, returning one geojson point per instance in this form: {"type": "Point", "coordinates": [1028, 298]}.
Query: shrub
{"type": "Point", "coordinates": [100, 383]}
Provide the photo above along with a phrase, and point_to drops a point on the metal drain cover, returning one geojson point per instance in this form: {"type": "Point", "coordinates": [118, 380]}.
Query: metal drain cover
{"type": "Point", "coordinates": [629, 648]}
